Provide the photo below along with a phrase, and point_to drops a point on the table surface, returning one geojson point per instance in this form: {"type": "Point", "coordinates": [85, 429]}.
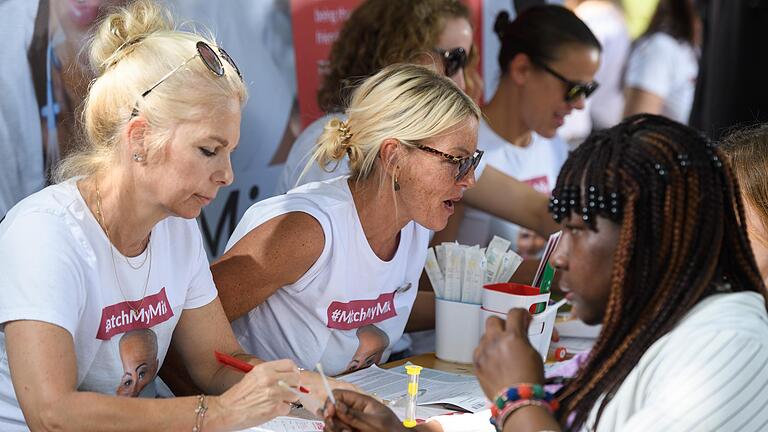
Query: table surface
{"type": "Point", "coordinates": [429, 360]}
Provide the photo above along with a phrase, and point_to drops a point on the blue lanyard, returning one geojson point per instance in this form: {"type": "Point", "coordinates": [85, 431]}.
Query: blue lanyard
{"type": "Point", "coordinates": [50, 110]}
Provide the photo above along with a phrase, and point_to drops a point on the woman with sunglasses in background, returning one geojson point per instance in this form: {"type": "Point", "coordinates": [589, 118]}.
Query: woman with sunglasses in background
{"type": "Point", "coordinates": [548, 58]}
{"type": "Point", "coordinates": [101, 272]}
{"type": "Point", "coordinates": [304, 270]}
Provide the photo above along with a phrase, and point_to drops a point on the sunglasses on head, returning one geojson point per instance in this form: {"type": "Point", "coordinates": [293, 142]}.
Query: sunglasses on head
{"type": "Point", "coordinates": [453, 60]}
{"type": "Point", "coordinates": [211, 60]}
{"type": "Point", "coordinates": [464, 164]}
{"type": "Point", "coordinates": [574, 89]}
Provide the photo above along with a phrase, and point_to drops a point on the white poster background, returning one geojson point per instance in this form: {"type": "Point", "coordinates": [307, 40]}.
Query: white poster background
{"type": "Point", "coordinates": [257, 34]}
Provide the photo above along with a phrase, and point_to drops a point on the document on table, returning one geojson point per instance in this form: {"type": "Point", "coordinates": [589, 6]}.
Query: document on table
{"type": "Point", "coordinates": [435, 387]}
{"type": "Point", "coordinates": [288, 424]}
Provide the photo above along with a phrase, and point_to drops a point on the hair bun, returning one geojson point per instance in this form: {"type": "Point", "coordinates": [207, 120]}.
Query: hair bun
{"type": "Point", "coordinates": [125, 27]}
{"type": "Point", "coordinates": [501, 24]}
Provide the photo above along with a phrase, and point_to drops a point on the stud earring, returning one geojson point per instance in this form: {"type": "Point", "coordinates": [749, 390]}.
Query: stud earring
{"type": "Point", "coordinates": [138, 158]}
{"type": "Point", "coordinates": [397, 185]}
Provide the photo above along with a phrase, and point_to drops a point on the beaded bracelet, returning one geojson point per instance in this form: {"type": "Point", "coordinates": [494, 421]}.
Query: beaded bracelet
{"type": "Point", "coordinates": [200, 413]}
{"type": "Point", "coordinates": [510, 408]}
{"type": "Point", "coordinates": [507, 401]}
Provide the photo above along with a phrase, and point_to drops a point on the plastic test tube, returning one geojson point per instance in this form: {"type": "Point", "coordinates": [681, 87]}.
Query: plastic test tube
{"type": "Point", "coordinates": [413, 372]}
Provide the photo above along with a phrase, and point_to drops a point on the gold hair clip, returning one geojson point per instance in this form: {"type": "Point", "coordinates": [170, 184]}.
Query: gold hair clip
{"type": "Point", "coordinates": [346, 135]}
{"type": "Point", "coordinates": [121, 51]}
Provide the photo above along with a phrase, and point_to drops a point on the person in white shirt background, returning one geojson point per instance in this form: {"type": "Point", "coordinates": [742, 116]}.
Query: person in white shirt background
{"type": "Point", "coordinates": [655, 248]}
{"type": "Point", "coordinates": [109, 251]}
{"type": "Point", "coordinates": [548, 59]}
{"type": "Point", "coordinates": [304, 270]}
{"type": "Point", "coordinates": [663, 63]}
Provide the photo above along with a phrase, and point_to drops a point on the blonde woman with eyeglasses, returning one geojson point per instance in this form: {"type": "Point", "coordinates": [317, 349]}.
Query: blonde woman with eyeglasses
{"type": "Point", "coordinates": [102, 272]}
{"type": "Point", "coordinates": [303, 271]}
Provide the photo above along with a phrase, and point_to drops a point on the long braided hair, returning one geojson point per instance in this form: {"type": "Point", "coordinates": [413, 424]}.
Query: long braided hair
{"type": "Point", "coordinates": [682, 238]}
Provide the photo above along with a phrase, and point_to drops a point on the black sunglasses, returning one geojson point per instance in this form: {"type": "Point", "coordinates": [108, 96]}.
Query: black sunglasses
{"type": "Point", "coordinates": [574, 89]}
{"type": "Point", "coordinates": [453, 60]}
{"type": "Point", "coordinates": [210, 59]}
{"type": "Point", "coordinates": [465, 164]}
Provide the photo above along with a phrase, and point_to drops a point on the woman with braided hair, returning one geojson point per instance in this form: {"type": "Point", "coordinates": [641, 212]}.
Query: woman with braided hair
{"type": "Point", "coordinates": [654, 247]}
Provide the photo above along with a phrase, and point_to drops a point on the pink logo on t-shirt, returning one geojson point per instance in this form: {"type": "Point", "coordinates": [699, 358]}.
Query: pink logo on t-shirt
{"type": "Point", "coordinates": [357, 313]}
{"type": "Point", "coordinates": [130, 315]}
{"type": "Point", "coordinates": [539, 183]}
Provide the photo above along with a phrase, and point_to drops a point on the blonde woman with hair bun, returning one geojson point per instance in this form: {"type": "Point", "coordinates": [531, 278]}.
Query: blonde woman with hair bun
{"type": "Point", "coordinates": [304, 270]}
{"type": "Point", "coordinates": [379, 33]}
{"type": "Point", "coordinates": [113, 250]}
{"type": "Point", "coordinates": [437, 33]}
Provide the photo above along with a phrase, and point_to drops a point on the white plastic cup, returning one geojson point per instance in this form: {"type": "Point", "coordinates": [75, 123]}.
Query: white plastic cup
{"type": "Point", "coordinates": [457, 330]}
{"type": "Point", "coordinates": [498, 299]}
{"type": "Point", "coordinates": [539, 331]}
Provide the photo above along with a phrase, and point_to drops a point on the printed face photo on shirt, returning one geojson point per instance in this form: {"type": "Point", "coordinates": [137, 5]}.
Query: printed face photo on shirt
{"type": "Point", "coordinates": [138, 352]}
{"type": "Point", "coordinates": [372, 344]}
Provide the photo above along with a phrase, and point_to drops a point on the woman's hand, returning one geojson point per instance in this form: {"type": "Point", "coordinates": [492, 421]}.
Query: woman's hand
{"type": "Point", "coordinates": [505, 357]}
{"type": "Point", "coordinates": [259, 397]}
{"type": "Point", "coordinates": [315, 399]}
{"type": "Point", "coordinates": [357, 412]}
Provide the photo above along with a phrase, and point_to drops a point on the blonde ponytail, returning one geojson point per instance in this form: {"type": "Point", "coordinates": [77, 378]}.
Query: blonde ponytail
{"type": "Point", "coordinates": [405, 102]}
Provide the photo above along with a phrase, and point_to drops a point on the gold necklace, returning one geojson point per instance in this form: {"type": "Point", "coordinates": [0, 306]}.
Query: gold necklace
{"type": "Point", "coordinates": [100, 213]}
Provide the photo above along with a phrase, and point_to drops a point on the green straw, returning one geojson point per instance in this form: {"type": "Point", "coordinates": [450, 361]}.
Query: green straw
{"type": "Point", "coordinates": [546, 284]}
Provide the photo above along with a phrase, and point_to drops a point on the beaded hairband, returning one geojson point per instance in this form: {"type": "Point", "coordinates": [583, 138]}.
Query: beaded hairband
{"type": "Point", "coordinates": [569, 200]}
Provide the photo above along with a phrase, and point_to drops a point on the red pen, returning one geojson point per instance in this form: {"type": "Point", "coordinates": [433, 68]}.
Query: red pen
{"type": "Point", "coordinates": [241, 365]}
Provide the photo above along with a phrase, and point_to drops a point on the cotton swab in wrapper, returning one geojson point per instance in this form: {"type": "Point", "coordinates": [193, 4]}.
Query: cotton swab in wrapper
{"type": "Point", "coordinates": [325, 383]}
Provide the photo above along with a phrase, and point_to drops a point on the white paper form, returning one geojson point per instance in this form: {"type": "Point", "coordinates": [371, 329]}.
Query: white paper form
{"type": "Point", "coordinates": [422, 412]}
{"type": "Point", "coordinates": [477, 422]}
{"type": "Point", "coordinates": [288, 424]}
{"type": "Point", "coordinates": [435, 387]}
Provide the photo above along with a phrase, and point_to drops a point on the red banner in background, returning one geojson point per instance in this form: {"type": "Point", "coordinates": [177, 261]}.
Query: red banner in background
{"type": "Point", "coordinates": [316, 25]}
{"type": "Point", "coordinates": [476, 19]}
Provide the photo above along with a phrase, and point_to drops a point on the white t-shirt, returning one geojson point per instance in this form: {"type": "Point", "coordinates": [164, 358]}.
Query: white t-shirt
{"type": "Point", "coordinates": [301, 152]}
{"type": "Point", "coordinates": [537, 164]}
{"type": "Point", "coordinates": [605, 20]}
{"type": "Point", "coordinates": [666, 67]}
{"type": "Point", "coordinates": [349, 308]}
{"type": "Point", "coordinates": [56, 266]}
{"type": "Point", "coordinates": [708, 374]}
{"type": "Point", "coordinates": [21, 167]}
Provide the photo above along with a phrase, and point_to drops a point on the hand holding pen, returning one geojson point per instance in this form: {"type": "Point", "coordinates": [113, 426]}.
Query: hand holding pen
{"type": "Point", "coordinates": [259, 396]}
{"type": "Point", "coordinates": [311, 391]}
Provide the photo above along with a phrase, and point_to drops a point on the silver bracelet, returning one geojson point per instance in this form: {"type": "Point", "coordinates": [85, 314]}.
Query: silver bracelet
{"type": "Point", "coordinates": [200, 413]}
